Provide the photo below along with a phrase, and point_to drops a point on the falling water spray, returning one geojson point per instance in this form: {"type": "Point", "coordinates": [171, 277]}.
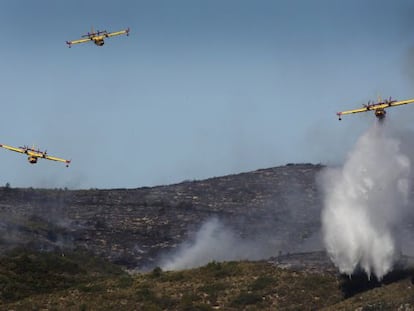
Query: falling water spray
{"type": "Point", "coordinates": [365, 201]}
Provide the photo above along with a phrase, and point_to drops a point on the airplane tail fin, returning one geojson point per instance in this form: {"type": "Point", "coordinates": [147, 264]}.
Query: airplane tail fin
{"type": "Point", "coordinates": [379, 99]}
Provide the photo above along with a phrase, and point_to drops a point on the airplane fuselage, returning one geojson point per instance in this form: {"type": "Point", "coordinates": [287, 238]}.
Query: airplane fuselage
{"type": "Point", "coordinates": [380, 113]}
{"type": "Point", "coordinates": [32, 159]}
{"type": "Point", "coordinates": [98, 42]}
{"type": "Point", "coordinates": [33, 155]}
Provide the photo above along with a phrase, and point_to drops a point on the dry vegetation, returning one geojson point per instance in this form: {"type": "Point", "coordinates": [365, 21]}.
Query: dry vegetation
{"type": "Point", "coordinates": [282, 202]}
{"type": "Point", "coordinates": [79, 281]}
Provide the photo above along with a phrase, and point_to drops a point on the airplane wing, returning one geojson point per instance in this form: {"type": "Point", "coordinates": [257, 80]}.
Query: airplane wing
{"type": "Point", "coordinates": [376, 107]}
{"type": "Point", "coordinates": [401, 102]}
{"type": "Point", "coordinates": [77, 41]}
{"type": "Point", "coordinates": [12, 148]}
{"type": "Point", "coordinates": [57, 159]}
{"type": "Point", "coordinates": [353, 111]}
{"type": "Point", "coordinates": [117, 33]}
{"type": "Point", "coordinates": [390, 104]}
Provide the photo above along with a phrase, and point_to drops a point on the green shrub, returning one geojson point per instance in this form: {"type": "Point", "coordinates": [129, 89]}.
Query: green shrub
{"type": "Point", "coordinates": [24, 273]}
{"type": "Point", "coordinates": [156, 273]}
{"type": "Point", "coordinates": [172, 276]}
{"type": "Point", "coordinates": [125, 281]}
{"type": "Point", "coordinates": [91, 288]}
{"type": "Point", "coordinates": [245, 298]}
{"type": "Point", "coordinates": [262, 282]}
{"type": "Point", "coordinates": [144, 293]}
{"type": "Point", "coordinates": [213, 289]}
{"type": "Point", "coordinates": [222, 270]}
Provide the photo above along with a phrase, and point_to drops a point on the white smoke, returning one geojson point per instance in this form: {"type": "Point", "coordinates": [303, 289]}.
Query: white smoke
{"type": "Point", "coordinates": [214, 241]}
{"type": "Point", "coordinates": [365, 201]}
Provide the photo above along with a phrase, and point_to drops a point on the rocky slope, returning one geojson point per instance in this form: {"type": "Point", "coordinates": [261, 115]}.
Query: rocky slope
{"type": "Point", "coordinates": [280, 207]}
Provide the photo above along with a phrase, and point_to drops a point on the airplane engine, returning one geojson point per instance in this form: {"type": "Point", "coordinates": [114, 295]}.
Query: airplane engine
{"type": "Point", "coordinates": [32, 160]}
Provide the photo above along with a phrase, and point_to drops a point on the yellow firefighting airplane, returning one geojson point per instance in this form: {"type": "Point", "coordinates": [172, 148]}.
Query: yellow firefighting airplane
{"type": "Point", "coordinates": [98, 37]}
{"type": "Point", "coordinates": [378, 107]}
{"type": "Point", "coordinates": [35, 154]}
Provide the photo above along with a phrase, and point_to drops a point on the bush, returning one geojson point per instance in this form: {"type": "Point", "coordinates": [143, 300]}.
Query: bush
{"type": "Point", "coordinates": [156, 273]}
{"type": "Point", "coordinates": [213, 289]}
{"type": "Point", "coordinates": [262, 282]}
{"type": "Point", "coordinates": [246, 298]}
{"type": "Point", "coordinates": [125, 281]}
{"type": "Point", "coordinates": [222, 270]}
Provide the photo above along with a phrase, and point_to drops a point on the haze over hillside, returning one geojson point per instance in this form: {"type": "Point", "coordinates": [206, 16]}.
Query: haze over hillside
{"type": "Point", "coordinates": [267, 212]}
{"type": "Point", "coordinates": [272, 214]}
{"type": "Point", "coordinates": [252, 215]}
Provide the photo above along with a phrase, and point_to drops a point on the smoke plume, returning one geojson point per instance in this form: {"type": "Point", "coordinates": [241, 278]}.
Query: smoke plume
{"type": "Point", "coordinates": [215, 241]}
{"type": "Point", "coordinates": [365, 202]}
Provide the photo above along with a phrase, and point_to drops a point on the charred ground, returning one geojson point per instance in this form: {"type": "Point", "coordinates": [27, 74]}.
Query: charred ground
{"type": "Point", "coordinates": [133, 227]}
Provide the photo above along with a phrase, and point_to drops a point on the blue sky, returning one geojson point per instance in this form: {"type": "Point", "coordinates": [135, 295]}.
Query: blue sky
{"type": "Point", "coordinates": [199, 89]}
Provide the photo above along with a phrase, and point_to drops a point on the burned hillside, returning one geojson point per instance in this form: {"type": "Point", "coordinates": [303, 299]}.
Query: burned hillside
{"type": "Point", "coordinates": [134, 227]}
